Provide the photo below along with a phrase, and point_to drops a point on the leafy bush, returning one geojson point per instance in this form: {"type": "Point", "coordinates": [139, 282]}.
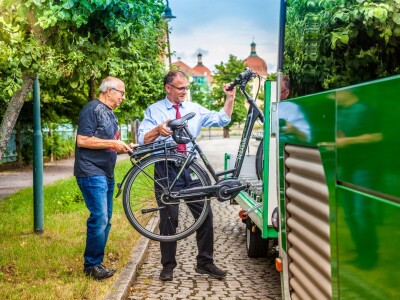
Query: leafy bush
{"type": "Point", "coordinates": [60, 146]}
{"type": "Point", "coordinates": [331, 44]}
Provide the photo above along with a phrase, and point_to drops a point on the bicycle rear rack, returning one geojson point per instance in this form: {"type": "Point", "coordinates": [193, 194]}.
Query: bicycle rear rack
{"type": "Point", "coordinates": [142, 150]}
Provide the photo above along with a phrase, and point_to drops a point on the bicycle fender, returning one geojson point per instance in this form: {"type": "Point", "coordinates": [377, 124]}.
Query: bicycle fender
{"type": "Point", "coordinates": [120, 185]}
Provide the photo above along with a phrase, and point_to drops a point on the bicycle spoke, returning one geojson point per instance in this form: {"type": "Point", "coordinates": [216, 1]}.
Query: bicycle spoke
{"type": "Point", "coordinates": [147, 194]}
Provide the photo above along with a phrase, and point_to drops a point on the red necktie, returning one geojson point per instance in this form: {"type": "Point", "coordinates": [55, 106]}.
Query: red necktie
{"type": "Point", "coordinates": [181, 147]}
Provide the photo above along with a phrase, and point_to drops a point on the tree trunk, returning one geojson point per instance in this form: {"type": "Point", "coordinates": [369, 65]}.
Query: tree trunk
{"type": "Point", "coordinates": [92, 88]}
{"type": "Point", "coordinates": [18, 141]}
{"type": "Point", "coordinates": [226, 133]}
{"type": "Point", "coordinates": [13, 109]}
{"type": "Point", "coordinates": [52, 143]}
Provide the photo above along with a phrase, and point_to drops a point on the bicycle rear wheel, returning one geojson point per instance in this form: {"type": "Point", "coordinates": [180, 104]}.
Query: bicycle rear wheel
{"type": "Point", "coordinates": [148, 206]}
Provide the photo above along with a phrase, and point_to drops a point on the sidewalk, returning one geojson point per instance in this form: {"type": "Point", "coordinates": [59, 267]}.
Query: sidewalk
{"type": "Point", "coordinates": [12, 181]}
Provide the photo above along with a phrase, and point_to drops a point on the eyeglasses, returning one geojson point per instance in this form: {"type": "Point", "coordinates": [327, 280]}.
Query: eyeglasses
{"type": "Point", "coordinates": [183, 88]}
{"type": "Point", "coordinates": [122, 92]}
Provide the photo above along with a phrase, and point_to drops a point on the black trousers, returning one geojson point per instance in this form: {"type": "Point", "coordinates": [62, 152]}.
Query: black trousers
{"type": "Point", "coordinates": [169, 218]}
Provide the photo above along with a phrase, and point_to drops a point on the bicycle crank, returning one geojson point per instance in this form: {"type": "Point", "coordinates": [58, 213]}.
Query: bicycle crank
{"type": "Point", "coordinates": [228, 189]}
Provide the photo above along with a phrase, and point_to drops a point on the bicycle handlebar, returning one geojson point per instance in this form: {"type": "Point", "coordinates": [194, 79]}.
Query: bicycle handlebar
{"type": "Point", "coordinates": [243, 78]}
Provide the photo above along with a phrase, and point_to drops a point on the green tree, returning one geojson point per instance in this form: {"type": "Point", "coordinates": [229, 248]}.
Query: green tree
{"type": "Point", "coordinates": [70, 45]}
{"type": "Point", "coordinates": [227, 72]}
{"type": "Point", "coordinates": [330, 43]}
{"type": "Point", "coordinates": [201, 94]}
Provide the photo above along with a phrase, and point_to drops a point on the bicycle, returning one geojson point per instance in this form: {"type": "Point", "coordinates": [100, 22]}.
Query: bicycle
{"type": "Point", "coordinates": [149, 192]}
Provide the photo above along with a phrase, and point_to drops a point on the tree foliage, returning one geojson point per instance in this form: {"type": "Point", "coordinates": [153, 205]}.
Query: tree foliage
{"type": "Point", "coordinates": [72, 44]}
{"type": "Point", "coordinates": [227, 72]}
{"type": "Point", "coordinates": [201, 94]}
{"type": "Point", "coordinates": [331, 43]}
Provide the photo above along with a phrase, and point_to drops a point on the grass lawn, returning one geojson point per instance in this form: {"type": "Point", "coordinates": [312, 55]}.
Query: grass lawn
{"type": "Point", "coordinates": [50, 265]}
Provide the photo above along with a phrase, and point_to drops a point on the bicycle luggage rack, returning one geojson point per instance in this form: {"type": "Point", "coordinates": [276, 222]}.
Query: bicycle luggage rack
{"type": "Point", "coordinates": [142, 150]}
{"type": "Point", "coordinates": [254, 187]}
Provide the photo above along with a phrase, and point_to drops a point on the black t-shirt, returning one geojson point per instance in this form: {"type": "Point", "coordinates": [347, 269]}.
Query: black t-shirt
{"type": "Point", "coordinates": [96, 119]}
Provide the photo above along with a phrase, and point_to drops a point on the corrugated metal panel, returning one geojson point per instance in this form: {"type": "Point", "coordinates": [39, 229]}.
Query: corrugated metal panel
{"type": "Point", "coordinates": [308, 233]}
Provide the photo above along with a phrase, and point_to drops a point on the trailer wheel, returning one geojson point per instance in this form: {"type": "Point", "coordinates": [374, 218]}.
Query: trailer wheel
{"type": "Point", "coordinates": [256, 246]}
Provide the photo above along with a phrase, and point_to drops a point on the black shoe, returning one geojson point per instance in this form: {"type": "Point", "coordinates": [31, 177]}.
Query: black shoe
{"type": "Point", "coordinates": [212, 270]}
{"type": "Point", "coordinates": [166, 274]}
{"type": "Point", "coordinates": [111, 270]}
{"type": "Point", "coordinates": [99, 272]}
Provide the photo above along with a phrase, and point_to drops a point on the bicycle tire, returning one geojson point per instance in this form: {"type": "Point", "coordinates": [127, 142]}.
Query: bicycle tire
{"type": "Point", "coordinates": [140, 194]}
{"type": "Point", "coordinates": [260, 160]}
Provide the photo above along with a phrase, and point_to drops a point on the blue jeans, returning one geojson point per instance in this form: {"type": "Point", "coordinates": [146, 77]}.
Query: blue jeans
{"type": "Point", "coordinates": [98, 193]}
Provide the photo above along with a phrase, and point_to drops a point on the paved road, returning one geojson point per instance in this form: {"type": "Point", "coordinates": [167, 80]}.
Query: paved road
{"type": "Point", "coordinates": [247, 278]}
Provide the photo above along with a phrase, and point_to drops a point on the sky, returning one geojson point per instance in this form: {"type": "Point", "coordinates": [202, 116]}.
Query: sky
{"type": "Point", "coordinates": [222, 27]}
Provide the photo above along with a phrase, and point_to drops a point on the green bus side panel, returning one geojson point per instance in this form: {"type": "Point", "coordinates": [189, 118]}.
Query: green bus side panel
{"type": "Point", "coordinates": [368, 131]}
{"type": "Point", "coordinates": [319, 112]}
{"type": "Point", "coordinates": [356, 130]}
{"type": "Point", "coordinates": [368, 246]}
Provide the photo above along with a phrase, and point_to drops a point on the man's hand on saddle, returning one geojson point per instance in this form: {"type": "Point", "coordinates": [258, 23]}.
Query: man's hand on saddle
{"type": "Point", "coordinates": [163, 130]}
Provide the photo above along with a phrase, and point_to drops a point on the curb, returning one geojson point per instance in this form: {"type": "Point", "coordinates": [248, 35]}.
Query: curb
{"type": "Point", "coordinates": [120, 288]}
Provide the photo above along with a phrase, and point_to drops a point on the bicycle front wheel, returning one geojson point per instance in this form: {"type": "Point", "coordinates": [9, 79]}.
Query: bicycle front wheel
{"type": "Point", "coordinates": [149, 206]}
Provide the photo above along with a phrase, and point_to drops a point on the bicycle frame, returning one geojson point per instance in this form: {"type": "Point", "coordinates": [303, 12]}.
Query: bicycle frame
{"type": "Point", "coordinates": [253, 114]}
{"type": "Point", "coordinates": [168, 175]}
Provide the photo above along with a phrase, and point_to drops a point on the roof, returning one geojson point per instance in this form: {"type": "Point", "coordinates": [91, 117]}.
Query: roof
{"type": "Point", "coordinates": [181, 66]}
{"type": "Point", "coordinates": [257, 64]}
{"type": "Point", "coordinates": [202, 70]}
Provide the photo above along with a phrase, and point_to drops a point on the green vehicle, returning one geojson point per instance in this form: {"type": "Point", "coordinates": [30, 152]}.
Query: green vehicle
{"type": "Point", "coordinates": [338, 187]}
{"type": "Point", "coordinates": [339, 195]}
{"type": "Point", "coordinates": [259, 201]}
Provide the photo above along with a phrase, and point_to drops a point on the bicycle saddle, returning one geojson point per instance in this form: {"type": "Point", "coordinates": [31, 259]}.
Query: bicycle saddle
{"type": "Point", "coordinates": [177, 123]}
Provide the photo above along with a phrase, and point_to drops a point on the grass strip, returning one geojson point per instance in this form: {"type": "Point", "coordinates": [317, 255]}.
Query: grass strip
{"type": "Point", "coordinates": [50, 265]}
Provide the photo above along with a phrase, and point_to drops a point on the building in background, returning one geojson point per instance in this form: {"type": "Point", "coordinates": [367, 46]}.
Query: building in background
{"type": "Point", "coordinates": [201, 75]}
{"type": "Point", "coordinates": [257, 64]}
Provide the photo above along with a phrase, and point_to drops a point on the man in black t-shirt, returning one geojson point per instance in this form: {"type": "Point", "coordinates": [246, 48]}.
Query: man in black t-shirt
{"type": "Point", "coordinates": [96, 151]}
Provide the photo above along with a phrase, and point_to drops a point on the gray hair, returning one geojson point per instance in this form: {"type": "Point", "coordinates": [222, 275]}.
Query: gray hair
{"type": "Point", "coordinates": [108, 83]}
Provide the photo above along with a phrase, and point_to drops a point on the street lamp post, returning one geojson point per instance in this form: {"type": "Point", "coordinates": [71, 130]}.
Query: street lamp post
{"type": "Point", "coordinates": [167, 16]}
